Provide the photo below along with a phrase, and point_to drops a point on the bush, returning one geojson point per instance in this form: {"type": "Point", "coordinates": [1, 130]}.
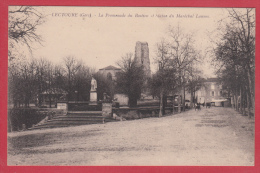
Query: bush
{"type": "Point", "coordinates": [19, 116]}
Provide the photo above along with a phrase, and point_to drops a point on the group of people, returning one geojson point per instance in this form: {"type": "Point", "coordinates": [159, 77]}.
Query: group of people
{"type": "Point", "coordinates": [197, 105]}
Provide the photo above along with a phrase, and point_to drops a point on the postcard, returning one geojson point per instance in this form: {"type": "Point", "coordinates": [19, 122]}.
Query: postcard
{"type": "Point", "coordinates": [131, 86]}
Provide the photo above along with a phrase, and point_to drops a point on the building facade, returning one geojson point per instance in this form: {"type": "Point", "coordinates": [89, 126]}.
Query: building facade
{"type": "Point", "coordinates": [109, 72]}
{"type": "Point", "coordinates": [211, 92]}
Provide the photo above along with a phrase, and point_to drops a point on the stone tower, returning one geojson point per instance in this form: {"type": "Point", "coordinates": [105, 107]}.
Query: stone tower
{"type": "Point", "coordinates": [142, 57]}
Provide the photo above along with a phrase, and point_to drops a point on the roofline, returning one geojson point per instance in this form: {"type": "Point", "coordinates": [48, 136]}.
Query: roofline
{"type": "Point", "coordinates": [115, 68]}
{"type": "Point", "coordinates": [110, 69]}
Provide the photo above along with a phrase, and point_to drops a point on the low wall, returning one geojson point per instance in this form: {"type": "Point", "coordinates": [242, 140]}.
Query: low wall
{"type": "Point", "coordinates": [62, 105]}
{"type": "Point", "coordinates": [138, 113]}
{"type": "Point", "coordinates": [84, 106]}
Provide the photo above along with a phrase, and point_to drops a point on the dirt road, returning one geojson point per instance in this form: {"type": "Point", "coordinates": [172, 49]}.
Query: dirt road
{"type": "Point", "coordinates": [215, 136]}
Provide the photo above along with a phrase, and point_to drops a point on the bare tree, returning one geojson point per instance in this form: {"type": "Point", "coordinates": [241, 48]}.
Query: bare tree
{"type": "Point", "coordinates": [23, 22]}
{"type": "Point", "coordinates": [164, 80]}
{"type": "Point", "coordinates": [71, 67]}
{"type": "Point", "coordinates": [182, 53]}
{"type": "Point", "coordinates": [42, 67]}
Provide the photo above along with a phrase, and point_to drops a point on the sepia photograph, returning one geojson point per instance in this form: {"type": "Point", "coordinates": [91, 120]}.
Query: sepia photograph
{"type": "Point", "coordinates": [131, 86]}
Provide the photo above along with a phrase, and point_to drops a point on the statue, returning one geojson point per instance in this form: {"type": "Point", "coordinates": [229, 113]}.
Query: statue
{"type": "Point", "coordinates": [93, 84]}
{"type": "Point", "coordinates": [93, 92]}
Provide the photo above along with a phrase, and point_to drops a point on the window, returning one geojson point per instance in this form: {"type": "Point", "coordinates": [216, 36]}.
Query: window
{"type": "Point", "coordinates": [212, 93]}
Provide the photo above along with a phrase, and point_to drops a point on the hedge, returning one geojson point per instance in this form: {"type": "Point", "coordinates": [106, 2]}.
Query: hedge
{"type": "Point", "coordinates": [19, 116]}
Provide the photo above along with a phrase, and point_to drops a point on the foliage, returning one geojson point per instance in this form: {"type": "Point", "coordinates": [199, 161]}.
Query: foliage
{"type": "Point", "coordinates": [131, 79]}
{"type": "Point", "coordinates": [163, 79]}
{"type": "Point", "coordinates": [105, 85]}
{"type": "Point", "coordinates": [18, 117]}
{"type": "Point", "coordinates": [235, 56]}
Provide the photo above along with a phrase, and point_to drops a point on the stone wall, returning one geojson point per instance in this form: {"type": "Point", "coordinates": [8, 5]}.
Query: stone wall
{"type": "Point", "coordinates": [135, 113]}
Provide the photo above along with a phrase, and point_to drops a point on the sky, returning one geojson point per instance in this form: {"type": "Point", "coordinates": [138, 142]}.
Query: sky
{"type": "Point", "coordinates": [100, 36]}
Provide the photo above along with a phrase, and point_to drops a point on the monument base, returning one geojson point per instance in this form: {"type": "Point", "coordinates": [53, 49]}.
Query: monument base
{"type": "Point", "coordinates": [93, 98]}
{"type": "Point", "coordinates": [107, 109]}
{"type": "Point", "coordinates": [92, 103]}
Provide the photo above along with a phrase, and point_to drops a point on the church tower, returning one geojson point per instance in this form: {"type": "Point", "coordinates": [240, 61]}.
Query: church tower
{"type": "Point", "coordinates": [142, 57]}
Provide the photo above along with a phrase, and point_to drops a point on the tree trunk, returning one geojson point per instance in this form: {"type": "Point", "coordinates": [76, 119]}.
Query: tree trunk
{"type": "Point", "coordinates": [236, 101]}
{"type": "Point", "coordinates": [243, 103]}
{"type": "Point", "coordinates": [161, 104]}
{"type": "Point", "coordinates": [251, 89]}
{"type": "Point", "coordinates": [233, 102]}
{"type": "Point", "coordinates": [179, 103]}
{"type": "Point", "coordinates": [69, 87]}
{"type": "Point", "coordinates": [194, 97]}
{"type": "Point", "coordinates": [191, 100]}
{"type": "Point", "coordinates": [164, 103]}
{"type": "Point", "coordinates": [50, 101]}
{"type": "Point", "coordinates": [183, 98]}
{"type": "Point", "coordinates": [248, 105]}
{"type": "Point", "coordinates": [179, 99]}
{"type": "Point", "coordinates": [173, 103]}
{"type": "Point", "coordinates": [240, 103]}
{"type": "Point", "coordinates": [10, 123]}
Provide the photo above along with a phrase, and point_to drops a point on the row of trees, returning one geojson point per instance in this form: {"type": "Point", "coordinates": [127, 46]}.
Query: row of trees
{"type": "Point", "coordinates": [29, 80]}
{"type": "Point", "coordinates": [235, 58]}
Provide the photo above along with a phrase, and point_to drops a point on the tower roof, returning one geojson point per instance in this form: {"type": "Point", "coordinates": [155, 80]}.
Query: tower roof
{"type": "Point", "coordinates": [110, 67]}
{"type": "Point", "coordinates": [143, 43]}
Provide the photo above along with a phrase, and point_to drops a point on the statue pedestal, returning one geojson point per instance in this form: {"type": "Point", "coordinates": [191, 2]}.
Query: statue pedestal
{"type": "Point", "coordinates": [93, 98]}
{"type": "Point", "coordinates": [107, 109]}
